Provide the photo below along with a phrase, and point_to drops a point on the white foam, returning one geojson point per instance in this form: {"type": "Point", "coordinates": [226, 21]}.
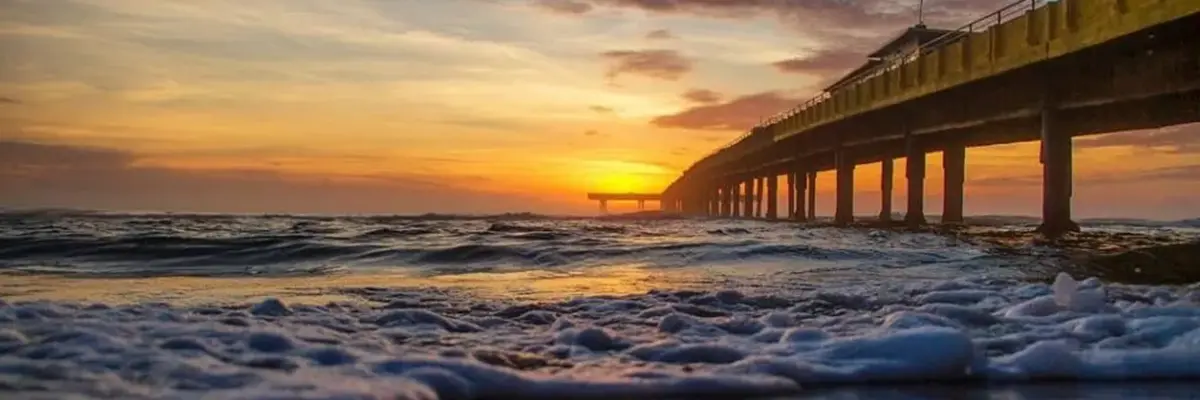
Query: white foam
{"type": "Point", "coordinates": [449, 345]}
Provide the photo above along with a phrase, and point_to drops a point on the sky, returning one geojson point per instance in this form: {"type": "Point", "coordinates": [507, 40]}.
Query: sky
{"type": "Point", "coordinates": [468, 106]}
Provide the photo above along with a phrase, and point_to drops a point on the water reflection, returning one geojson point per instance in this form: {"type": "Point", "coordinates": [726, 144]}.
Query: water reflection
{"type": "Point", "coordinates": [523, 285]}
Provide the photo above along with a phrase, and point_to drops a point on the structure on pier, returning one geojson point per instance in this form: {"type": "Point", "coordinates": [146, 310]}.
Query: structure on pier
{"type": "Point", "coordinates": [1033, 70]}
{"type": "Point", "coordinates": [640, 198]}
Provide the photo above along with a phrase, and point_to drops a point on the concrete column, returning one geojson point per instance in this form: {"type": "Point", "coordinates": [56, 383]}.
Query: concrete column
{"type": "Point", "coordinates": [812, 195]}
{"type": "Point", "coordinates": [717, 199]}
{"type": "Point", "coordinates": [802, 188]}
{"type": "Point", "coordinates": [915, 173]}
{"type": "Point", "coordinates": [748, 202]}
{"type": "Point", "coordinates": [954, 163]}
{"type": "Point", "coordinates": [642, 205]}
{"type": "Point", "coordinates": [736, 204]}
{"type": "Point", "coordinates": [885, 188]}
{"type": "Point", "coordinates": [1056, 177]}
{"type": "Point", "coordinates": [759, 193]}
{"type": "Point", "coordinates": [845, 188]}
{"type": "Point", "coordinates": [727, 201]}
{"type": "Point", "coordinates": [772, 196]}
{"type": "Point", "coordinates": [714, 202]}
{"type": "Point", "coordinates": [791, 195]}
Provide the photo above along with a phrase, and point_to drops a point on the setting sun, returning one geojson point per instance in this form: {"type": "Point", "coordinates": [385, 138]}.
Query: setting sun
{"type": "Point", "coordinates": [613, 176]}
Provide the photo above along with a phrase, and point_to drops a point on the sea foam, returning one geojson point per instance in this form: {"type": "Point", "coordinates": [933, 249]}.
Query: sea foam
{"type": "Point", "coordinates": [443, 344]}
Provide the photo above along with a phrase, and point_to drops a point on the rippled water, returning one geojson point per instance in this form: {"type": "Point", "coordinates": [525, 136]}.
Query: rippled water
{"type": "Point", "coordinates": [150, 245]}
{"type": "Point", "coordinates": [158, 306]}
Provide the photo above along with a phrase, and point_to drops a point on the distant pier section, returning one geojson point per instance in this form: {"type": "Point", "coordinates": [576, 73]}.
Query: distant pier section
{"type": "Point", "coordinates": [640, 198]}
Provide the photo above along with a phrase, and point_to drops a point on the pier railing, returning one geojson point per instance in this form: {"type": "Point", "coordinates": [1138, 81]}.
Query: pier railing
{"type": "Point", "coordinates": [1004, 14]}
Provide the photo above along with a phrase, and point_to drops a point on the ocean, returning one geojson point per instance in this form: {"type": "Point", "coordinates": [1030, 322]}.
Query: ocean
{"type": "Point", "coordinates": [104, 305]}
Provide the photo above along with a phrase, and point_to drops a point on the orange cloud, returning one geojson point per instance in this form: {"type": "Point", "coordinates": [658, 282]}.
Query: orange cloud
{"type": "Point", "coordinates": [737, 114]}
{"type": "Point", "coordinates": [40, 175]}
{"type": "Point", "coordinates": [702, 96]}
{"type": "Point", "coordinates": [659, 64]}
{"type": "Point", "coordinates": [564, 6]}
{"type": "Point", "coordinates": [660, 34]}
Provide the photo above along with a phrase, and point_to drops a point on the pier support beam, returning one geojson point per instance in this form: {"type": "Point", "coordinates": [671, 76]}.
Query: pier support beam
{"type": "Point", "coordinates": [604, 207]}
{"type": "Point", "coordinates": [802, 188]}
{"type": "Point", "coordinates": [886, 173]}
{"type": "Point", "coordinates": [714, 202]}
{"type": "Point", "coordinates": [737, 200]}
{"type": "Point", "coordinates": [812, 195]}
{"type": "Point", "coordinates": [726, 201]}
{"type": "Point", "coordinates": [758, 197]}
{"type": "Point", "coordinates": [954, 163]}
{"type": "Point", "coordinates": [772, 196]}
{"type": "Point", "coordinates": [748, 201]}
{"type": "Point", "coordinates": [1056, 177]}
{"type": "Point", "coordinates": [844, 214]}
{"type": "Point", "coordinates": [791, 195]}
{"type": "Point", "coordinates": [915, 173]}
{"type": "Point", "coordinates": [642, 205]}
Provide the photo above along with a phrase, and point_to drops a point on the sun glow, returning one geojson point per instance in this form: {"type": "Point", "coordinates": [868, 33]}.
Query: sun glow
{"type": "Point", "coordinates": [611, 176]}
{"type": "Point", "coordinates": [618, 183]}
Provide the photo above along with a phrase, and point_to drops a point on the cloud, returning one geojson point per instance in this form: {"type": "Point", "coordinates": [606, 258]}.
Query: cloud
{"type": "Point", "coordinates": [702, 96]}
{"type": "Point", "coordinates": [1177, 139]}
{"type": "Point", "coordinates": [660, 34]}
{"type": "Point", "coordinates": [809, 15]}
{"type": "Point", "coordinates": [9, 100]}
{"type": "Point", "coordinates": [572, 7]}
{"type": "Point", "coordinates": [1171, 173]}
{"type": "Point", "coordinates": [602, 109]}
{"type": "Point", "coordinates": [34, 175]}
{"type": "Point", "coordinates": [738, 114]}
{"type": "Point", "coordinates": [822, 63]}
{"type": "Point", "coordinates": [591, 132]}
{"type": "Point", "coordinates": [26, 158]}
{"type": "Point", "coordinates": [848, 21]}
{"type": "Point", "coordinates": [1186, 173]}
{"type": "Point", "coordinates": [659, 64]}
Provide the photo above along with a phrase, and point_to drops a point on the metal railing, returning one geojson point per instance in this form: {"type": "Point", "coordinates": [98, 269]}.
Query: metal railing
{"type": "Point", "coordinates": [1004, 14]}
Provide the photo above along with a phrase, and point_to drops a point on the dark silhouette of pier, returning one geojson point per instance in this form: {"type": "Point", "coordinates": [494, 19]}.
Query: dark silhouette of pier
{"type": "Point", "coordinates": [1033, 70]}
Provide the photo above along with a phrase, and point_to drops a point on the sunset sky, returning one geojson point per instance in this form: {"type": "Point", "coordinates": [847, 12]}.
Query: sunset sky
{"type": "Point", "coordinates": [475, 106]}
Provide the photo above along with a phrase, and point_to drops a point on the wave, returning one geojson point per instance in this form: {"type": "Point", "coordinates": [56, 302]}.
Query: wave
{"type": "Point", "coordinates": [281, 254]}
{"type": "Point", "coordinates": [157, 245]}
{"type": "Point", "coordinates": [386, 233]}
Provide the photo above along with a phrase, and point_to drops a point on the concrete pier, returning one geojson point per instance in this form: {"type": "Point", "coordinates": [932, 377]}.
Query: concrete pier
{"type": "Point", "coordinates": [1043, 71]}
{"type": "Point", "coordinates": [914, 172]}
{"type": "Point", "coordinates": [688, 202]}
{"type": "Point", "coordinates": [773, 197]}
{"type": "Point", "coordinates": [1056, 177]}
{"type": "Point", "coordinates": [801, 211]}
{"type": "Point", "coordinates": [757, 198]}
{"type": "Point", "coordinates": [736, 202]}
{"type": "Point", "coordinates": [748, 200]}
{"type": "Point", "coordinates": [727, 201]}
{"type": "Point", "coordinates": [812, 195]}
{"type": "Point", "coordinates": [844, 215]}
{"type": "Point", "coordinates": [954, 164]}
{"type": "Point", "coordinates": [886, 172]}
{"type": "Point", "coordinates": [791, 195]}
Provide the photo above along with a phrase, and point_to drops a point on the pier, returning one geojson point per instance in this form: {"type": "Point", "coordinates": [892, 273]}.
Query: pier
{"type": "Point", "coordinates": [1034, 70]}
{"type": "Point", "coordinates": [640, 198]}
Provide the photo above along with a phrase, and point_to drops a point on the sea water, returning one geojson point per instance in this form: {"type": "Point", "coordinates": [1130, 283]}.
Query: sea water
{"type": "Point", "coordinates": [520, 306]}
